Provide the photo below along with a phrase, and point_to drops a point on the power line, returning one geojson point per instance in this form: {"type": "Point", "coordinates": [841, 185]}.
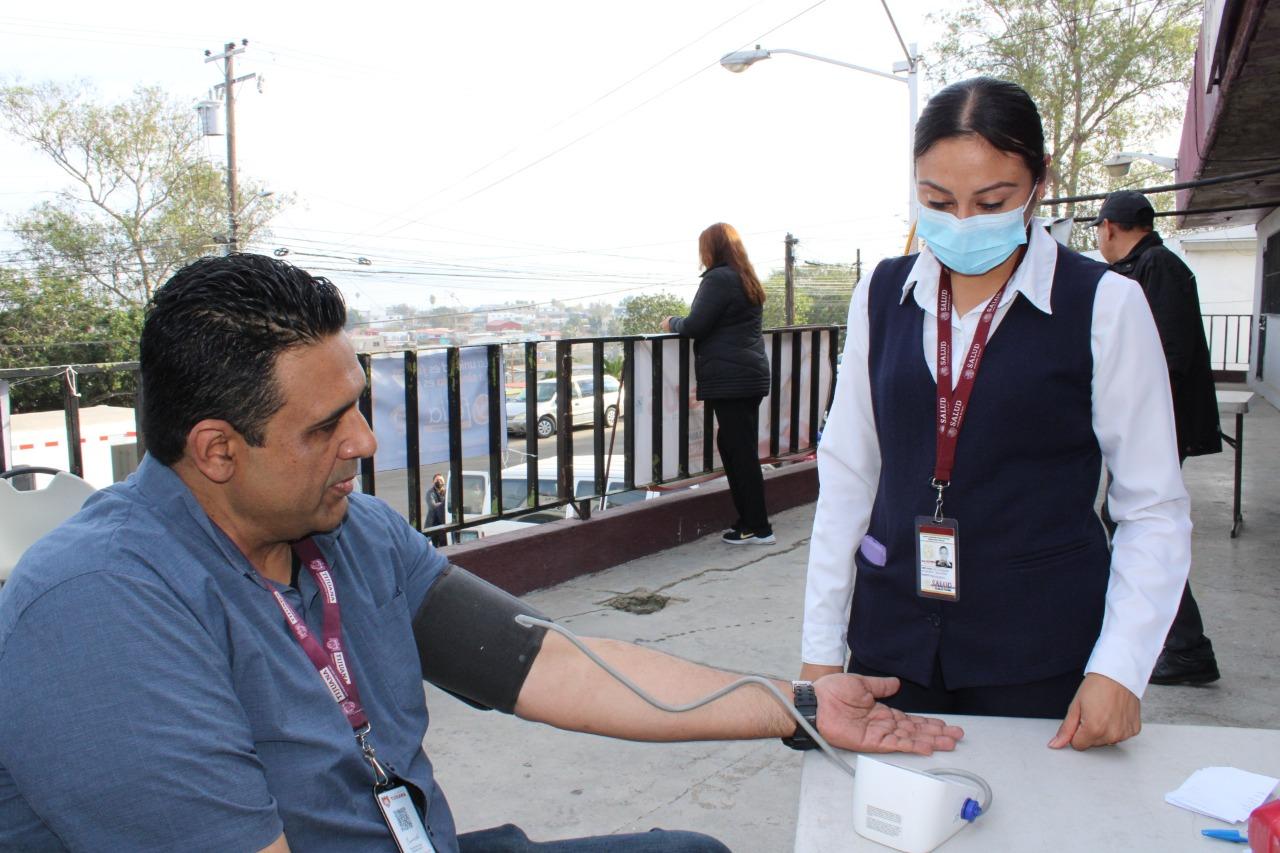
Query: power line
{"type": "Point", "coordinates": [572, 115]}
{"type": "Point", "coordinates": [599, 128]}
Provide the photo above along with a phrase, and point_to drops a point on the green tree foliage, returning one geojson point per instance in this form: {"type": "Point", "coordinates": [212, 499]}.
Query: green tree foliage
{"type": "Point", "coordinates": [52, 321]}
{"type": "Point", "coordinates": [641, 315]}
{"type": "Point", "coordinates": [143, 199]}
{"type": "Point", "coordinates": [775, 301]}
{"type": "Point", "coordinates": [822, 294]}
{"type": "Point", "coordinates": [1107, 77]}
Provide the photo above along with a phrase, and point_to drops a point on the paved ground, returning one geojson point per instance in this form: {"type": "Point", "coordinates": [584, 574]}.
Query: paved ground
{"type": "Point", "coordinates": [740, 608]}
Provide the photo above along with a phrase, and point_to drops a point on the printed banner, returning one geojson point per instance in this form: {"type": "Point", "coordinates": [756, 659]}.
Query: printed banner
{"type": "Point", "coordinates": [669, 400]}
{"type": "Point", "coordinates": [433, 407]}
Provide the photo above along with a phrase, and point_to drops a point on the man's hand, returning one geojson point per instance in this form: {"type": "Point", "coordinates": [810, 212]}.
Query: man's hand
{"type": "Point", "coordinates": [665, 325]}
{"type": "Point", "coordinates": [1104, 712]}
{"type": "Point", "coordinates": [850, 718]}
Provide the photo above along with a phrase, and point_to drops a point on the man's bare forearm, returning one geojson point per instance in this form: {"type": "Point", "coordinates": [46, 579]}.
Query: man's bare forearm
{"type": "Point", "coordinates": [568, 690]}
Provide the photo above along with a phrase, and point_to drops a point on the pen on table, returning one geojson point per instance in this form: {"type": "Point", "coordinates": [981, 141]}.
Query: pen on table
{"type": "Point", "coordinates": [1232, 835]}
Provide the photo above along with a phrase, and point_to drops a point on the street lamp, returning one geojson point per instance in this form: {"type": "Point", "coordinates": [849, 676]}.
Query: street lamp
{"type": "Point", "coordinates": [741, 60]}
{"type": "Point", "coordinates": [1117, 165]}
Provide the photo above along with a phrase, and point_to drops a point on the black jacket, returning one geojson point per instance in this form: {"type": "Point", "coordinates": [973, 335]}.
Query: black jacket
{"type": "Point", "coordinates": [728, 338]}
{"type": "Point", "coordinates": [1170, 288]}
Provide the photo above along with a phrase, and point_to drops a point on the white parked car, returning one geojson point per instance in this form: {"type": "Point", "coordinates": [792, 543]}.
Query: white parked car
{"type": "Point", "coordinates": [582, 404]}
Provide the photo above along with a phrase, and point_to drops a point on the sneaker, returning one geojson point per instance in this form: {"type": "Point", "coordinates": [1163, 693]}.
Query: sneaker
{"type": "Point", "coordinates": [747, 537]}
{"type": "Point", "coordinates": [1193, 666]}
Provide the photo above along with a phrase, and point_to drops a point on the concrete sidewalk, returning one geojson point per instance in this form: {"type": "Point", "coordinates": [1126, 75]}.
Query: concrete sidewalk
{"type": "Point", "coordinates": [740, 608]}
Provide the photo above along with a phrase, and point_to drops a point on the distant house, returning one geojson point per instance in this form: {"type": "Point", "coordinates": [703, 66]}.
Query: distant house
{"type": "Point", "coordinates": [503, 326]}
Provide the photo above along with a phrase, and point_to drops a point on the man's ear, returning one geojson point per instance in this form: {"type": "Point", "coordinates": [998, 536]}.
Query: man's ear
{"type": "Point", "coordinates": [212, 447]}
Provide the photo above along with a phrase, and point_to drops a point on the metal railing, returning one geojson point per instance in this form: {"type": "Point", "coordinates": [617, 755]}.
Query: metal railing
{"type": "Point", "coordinates": [1230, 338]}
{"type": "Point", "coordinates": [799, 398]}
{"type": "Point", "coordinates": [644, 423]}
{"type": "Point", "coordinates": [67, 376]}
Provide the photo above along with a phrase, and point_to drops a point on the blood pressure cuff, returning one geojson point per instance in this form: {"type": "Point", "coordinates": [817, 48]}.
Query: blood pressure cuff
{"type": "Point", "coordinates": [469, 642]}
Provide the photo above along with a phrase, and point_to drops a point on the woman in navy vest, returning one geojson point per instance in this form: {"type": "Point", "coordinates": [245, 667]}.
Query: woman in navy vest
{"type": "Point", "coordinates": [1058, 370]}
{"type": "Point", "coordinates": [725, 322]}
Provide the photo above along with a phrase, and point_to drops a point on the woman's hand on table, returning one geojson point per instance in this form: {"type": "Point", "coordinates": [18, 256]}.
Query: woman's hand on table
{"type": "Point", "coordinates": [1103, 713]}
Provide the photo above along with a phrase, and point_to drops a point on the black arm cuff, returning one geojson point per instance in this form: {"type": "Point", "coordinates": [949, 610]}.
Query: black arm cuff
{"type": "Point", "coordinates": [469, 642]}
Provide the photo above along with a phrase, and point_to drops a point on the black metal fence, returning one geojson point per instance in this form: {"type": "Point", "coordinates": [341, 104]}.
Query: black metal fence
{"type": "Point", "coordinates": [810, 386]}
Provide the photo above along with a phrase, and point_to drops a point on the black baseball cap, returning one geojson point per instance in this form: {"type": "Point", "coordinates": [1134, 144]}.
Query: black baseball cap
{"type": "Point", "coordinates": [1126, 207]}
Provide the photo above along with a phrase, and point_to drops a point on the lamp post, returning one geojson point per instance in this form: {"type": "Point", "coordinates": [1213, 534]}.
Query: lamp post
{"type": "Point", "coordinates": [1117, 165]}
{"type": "Point", "coordinates": [741, 60]}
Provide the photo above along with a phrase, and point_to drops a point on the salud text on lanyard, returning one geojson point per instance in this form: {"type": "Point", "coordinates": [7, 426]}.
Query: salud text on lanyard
{"type": "Point", "coordinates": [938, 537]}
{"type": "Point", "coordinates": [330, 660]}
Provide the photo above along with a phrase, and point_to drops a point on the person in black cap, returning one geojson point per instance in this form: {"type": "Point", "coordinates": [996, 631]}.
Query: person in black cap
{"type": "Point", "coordinates": [1130, 244]}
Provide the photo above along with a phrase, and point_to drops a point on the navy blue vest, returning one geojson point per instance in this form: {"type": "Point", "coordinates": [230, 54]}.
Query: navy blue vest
{"type": "Point", "coordinates": [1033, 556]}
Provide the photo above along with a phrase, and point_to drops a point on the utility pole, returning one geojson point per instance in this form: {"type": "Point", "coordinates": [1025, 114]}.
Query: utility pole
{"type": "Point", "coordinates": [857, 267]}
{"type": "Point", "coordinates": [228, 87]}
{"type": "Point", "coordinates": [790, 242]}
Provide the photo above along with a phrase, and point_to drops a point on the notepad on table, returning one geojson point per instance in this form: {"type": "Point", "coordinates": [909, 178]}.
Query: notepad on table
{"type": "Point", "coordinates": [1225, 793]}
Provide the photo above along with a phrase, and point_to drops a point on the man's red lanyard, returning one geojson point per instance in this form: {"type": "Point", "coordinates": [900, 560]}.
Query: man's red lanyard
{"type": "Point", "coordinates": [953, 404]}
{"type": "Point", "coordinates": [330, 660]}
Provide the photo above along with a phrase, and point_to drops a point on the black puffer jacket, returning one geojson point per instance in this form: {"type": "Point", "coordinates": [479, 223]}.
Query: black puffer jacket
{"type": "Point", "coordinates": [729, 358]}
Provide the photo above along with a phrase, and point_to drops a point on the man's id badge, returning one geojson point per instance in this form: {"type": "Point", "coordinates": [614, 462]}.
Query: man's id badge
{"type": "Point", "coordinates": [402, 819]}
{"type": "Point", "coordinates": [937, 558]}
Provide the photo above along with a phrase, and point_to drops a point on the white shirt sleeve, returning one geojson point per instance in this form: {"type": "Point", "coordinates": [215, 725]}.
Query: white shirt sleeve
{"type": "Point", "coordinates": [1133, 420]}
{"type": "Point", "coordinates": [848, 474]}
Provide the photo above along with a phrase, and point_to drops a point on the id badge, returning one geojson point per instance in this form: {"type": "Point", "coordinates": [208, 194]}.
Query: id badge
{"type": "Point", "coordinates": [937, 558]}
{"type": "Point", "coordinates": [402, 819]}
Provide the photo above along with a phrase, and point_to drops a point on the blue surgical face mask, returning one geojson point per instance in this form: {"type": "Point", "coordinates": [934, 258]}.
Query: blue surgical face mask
{"type": "Point", "coordinates": [977, 244]}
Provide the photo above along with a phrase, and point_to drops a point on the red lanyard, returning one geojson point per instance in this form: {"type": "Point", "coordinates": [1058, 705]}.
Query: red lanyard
{"type": "Point", "coordinates": [953, 404]}
{"type": "Point", "coordinates": [330, 661]}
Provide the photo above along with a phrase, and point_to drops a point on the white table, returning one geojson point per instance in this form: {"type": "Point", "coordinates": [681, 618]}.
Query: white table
{"type": "Point", "coordinates": [1051, 801]}
{"type": "Point", "coordinates": [1236, 403]}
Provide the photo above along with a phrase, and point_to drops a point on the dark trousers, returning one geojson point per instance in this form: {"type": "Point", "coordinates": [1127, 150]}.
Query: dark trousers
{"type": "Point", "coordinates": [511, 839]}
{"type": "Point", "coordinates": [1187, 630]}
{"type": "Point", "coordinates": [1048, 698]}
{"type": "Point", "coordinates": [737, 438]}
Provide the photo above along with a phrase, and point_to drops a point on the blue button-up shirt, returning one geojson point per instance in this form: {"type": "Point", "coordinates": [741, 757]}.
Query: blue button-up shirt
{"type": "Point", "coordinates": [152, 697]}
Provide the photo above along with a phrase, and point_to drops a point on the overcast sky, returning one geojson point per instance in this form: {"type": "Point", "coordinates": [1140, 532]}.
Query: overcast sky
{"type": "Point", "coordinates": [570, 148]}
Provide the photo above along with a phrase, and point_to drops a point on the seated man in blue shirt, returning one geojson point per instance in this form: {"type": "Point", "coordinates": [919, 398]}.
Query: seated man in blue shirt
{"type": "Point", "coordinates": [174, 680]}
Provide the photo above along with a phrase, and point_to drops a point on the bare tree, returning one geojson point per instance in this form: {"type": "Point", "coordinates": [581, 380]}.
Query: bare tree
{"type": "Point", "coordinates": [143, 199]}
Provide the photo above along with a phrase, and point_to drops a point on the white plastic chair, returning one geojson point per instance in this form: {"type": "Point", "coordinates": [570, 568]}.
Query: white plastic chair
{"type": "Point", "coordinates": [26, 516]}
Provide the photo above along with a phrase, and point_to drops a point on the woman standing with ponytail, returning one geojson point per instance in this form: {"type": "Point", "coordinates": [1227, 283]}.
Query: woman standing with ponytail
{"type": "Point", "coordinates": [725, 322]}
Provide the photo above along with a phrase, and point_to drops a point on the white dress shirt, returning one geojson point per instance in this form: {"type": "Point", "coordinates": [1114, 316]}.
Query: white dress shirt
{"type": "Point", "coordinates": [1132, 419]}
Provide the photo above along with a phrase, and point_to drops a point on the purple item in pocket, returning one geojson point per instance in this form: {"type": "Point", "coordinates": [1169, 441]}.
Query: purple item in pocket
{"type": "Point", "coordinates": [873, 551]}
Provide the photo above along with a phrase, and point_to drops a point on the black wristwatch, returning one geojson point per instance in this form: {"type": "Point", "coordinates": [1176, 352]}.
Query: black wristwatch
{"type": "Point", "coordinates": [806, 701]}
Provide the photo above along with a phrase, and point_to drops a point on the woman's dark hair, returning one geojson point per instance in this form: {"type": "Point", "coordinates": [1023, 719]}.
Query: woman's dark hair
{"type": "Point", "coordinates": [721, 245]}
{"type": "Point", "coordinates": [1000, 112]}
{"type": "Point", "coordinates": [210, 342]}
